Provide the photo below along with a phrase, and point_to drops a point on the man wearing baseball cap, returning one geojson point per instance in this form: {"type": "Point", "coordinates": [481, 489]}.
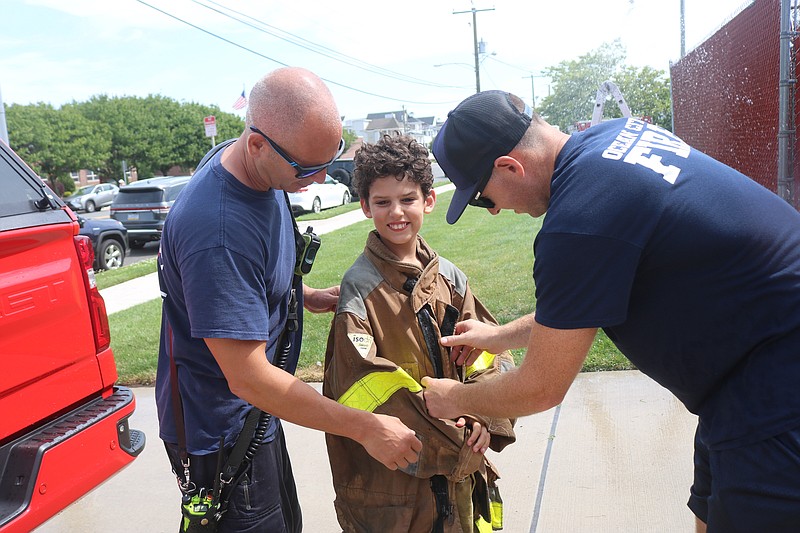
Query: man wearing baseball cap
{"type": "Point", "coordinates": [691, 268]}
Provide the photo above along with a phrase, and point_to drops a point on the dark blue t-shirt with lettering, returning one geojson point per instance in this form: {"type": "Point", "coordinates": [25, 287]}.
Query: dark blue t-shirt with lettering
{"type": "Point", "coordinates": [690, 267]}
{"type": "Point", "coordinates": [226, 266]}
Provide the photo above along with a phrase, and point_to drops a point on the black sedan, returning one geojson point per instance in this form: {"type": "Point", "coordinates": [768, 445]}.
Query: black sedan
{"type": "Point", "coordinates": [109, 239]}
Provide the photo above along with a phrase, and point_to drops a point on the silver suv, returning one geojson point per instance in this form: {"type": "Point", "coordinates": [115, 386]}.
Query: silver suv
{"type": "Point", "coordinates": [143, 205]}
{"type": "Point", "coordinates": [92, 197]}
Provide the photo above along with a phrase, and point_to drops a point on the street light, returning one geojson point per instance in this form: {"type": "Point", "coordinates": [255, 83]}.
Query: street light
{"type": "Point", "coordinates": [470, 67]}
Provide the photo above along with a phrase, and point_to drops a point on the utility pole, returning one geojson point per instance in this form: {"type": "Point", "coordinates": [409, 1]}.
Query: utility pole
{"type": "Point", "coordinates": [786, 96]}
{"type": "Point", "coordinates": [683, 28]}
{"type": "Point", "coordinates": [475, 43]}
{"type": "Point", "coordinates": [533, 92]}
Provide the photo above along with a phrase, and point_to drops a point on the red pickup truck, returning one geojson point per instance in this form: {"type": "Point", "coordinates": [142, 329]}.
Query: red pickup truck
{"type": "Point", "coordinates": [63, 421]}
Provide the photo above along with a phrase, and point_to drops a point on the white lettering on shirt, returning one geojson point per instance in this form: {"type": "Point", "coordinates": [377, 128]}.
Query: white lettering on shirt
{"type": "Point", "coordinates": [635, 144]}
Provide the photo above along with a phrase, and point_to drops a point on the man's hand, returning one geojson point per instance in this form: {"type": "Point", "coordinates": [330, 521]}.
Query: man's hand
{"type": "Point", "coordinates": [392, 443]}
{"type": "Point", "coordinates": [479, 437]}
{"type": "Point", "coordinates": [439, 399]}
{"type": "Point", "coordinates": [320, 300]}
{"type": "Point", "coordinates": [470, 339]}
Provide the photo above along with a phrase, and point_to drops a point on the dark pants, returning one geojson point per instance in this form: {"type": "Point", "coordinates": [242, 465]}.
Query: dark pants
{"type": "Point", "coordinates": [751, 488]}
{"type": "Point", "coordinates": [265, 500]}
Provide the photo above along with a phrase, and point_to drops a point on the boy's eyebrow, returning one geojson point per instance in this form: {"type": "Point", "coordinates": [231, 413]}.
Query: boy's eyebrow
{"type": "Point", "coordinates": [383, 197]}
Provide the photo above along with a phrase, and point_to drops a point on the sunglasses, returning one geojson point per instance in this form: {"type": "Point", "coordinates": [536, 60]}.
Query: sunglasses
{"type": "Point", "coordinates": [479, 200]}
{"type": "Point", "coordinates": [302, 172]}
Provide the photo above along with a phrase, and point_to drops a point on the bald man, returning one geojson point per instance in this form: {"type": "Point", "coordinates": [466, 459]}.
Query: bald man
{"type": "Point", "coordinates": [226, 270]}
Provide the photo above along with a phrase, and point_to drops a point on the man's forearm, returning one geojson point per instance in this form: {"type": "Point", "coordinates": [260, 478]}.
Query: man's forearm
{"type": "Point", "coordinates": [516, 333]}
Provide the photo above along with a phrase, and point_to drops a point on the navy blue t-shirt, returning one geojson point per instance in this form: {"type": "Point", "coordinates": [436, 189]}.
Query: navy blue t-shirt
{"type": "Point", "coordinates": [225, 267]}
{"type": "Point", "coordinates": [691, 268]}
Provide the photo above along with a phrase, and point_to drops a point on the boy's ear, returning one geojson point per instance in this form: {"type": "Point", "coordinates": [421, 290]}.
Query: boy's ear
{"type": "Point", "coordinates": [430, 202]}
{"type": "Point", "coordinates": [365, 207]}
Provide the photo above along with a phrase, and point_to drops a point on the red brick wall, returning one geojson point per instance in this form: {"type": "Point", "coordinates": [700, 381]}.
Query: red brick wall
{"type": "Point", "coordinates": [725, 93]}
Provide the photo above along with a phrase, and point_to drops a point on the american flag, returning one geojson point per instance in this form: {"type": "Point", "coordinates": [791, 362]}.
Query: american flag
{"type": "Point", "coordinates": [240, 102]}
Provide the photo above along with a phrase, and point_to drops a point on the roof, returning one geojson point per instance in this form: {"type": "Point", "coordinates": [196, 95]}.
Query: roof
{"type": "Point", "coordinates": [351, 151]}
{"type": "Point", "coordinates": [387, 114]}
{"type": "Point", "coordinates": [158, 181]}
{"type": "Point", "coordinates": [383, 124]}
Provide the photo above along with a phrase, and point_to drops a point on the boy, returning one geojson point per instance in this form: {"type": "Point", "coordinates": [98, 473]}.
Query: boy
{"type": "Point", "coordinates": [396, 301]}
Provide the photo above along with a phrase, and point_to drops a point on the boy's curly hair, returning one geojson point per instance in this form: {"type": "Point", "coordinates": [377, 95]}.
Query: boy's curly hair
{"type": "Point", "coordinates": [393, 155]}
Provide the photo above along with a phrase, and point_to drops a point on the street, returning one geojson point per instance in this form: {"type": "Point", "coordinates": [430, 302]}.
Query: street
{"type": "Point", "coordinates": [134, 256]}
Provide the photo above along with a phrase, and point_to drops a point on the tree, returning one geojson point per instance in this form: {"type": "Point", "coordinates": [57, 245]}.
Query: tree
{"type": "Point", "coordinates": [156, 134]}
{"type": "Point", "coordinates": [349, 137]}
{"type": "Point", "coordinates": [647, 93]}
{"type": "Point", "coordinates": [575, 83]}
{"type": "Point", "coordinates": [57, 142]}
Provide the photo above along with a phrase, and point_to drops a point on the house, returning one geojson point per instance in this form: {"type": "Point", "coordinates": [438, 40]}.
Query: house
{"type": "Point", "coordinates": [376, 125]}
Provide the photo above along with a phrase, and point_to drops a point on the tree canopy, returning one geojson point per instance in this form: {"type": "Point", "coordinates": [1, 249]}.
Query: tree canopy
{"type": "Point", "coordinates": [152, 134]}
{"type": "Point", "coordinates": [575, 84]}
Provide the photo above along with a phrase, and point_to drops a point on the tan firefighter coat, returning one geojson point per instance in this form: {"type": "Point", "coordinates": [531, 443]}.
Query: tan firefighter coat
{"type": "Point", "coordinates": [379, 348]}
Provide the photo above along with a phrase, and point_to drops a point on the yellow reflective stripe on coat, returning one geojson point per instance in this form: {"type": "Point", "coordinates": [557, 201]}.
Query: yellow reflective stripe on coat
{"type": "Point", "coordinates": [371, 391]}
{"type": "Point", "coordinates": [484, 361]}
{"type": "Point", "coordinates": [497, 515]}
{"type": "Point", "coordinates": [496, 509]}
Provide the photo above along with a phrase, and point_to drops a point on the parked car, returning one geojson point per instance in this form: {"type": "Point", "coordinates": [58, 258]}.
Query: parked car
{"type": "Point", "coordinates": [92, 197]}
{"type": "Point", "coordinates": [64, 423]}
{"type": "Point", "coordinates": [342, 171]}
{"type": "Point", "coordinates": [109, 240]}
{"type": "Point", "coordinates": [143, 205]}
{"type": "Point", "coordinates": [319, 196]}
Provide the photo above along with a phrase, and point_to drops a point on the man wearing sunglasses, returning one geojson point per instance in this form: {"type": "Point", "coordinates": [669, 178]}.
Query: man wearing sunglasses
{"type": "Point", "coordinates": [690, 267]}
{"type": "Point", "coordinates": [226, 270]}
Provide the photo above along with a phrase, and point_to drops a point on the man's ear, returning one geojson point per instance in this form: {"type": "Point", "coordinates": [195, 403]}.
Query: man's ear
{"type": "Point", "coordinates": [430, 202]}
{"type": "Point", "coordinates": [254, 143]}
{"type": "Point", "coordinates": [509, 164]}
{"type": "Point", "coordinates": [365, 207]}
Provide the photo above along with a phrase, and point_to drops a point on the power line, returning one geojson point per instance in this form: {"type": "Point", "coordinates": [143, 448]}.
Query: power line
{"type": "Point", "coordinates": [259, 54]}
{"type": "Point", "coordinates": [318, 48]}
{"type": "Point", "coordinates": [510, 65]}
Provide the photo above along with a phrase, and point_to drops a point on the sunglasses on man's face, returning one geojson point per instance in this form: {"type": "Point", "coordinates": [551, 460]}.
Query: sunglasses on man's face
{"type": "Point", "coordinates": [302, 171]}
{"type": "Point", "coordinates": [479, 200]}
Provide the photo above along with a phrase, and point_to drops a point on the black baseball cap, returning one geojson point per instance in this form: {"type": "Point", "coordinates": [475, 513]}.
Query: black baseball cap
{"type": "Point", "coordinates": [480, 129]}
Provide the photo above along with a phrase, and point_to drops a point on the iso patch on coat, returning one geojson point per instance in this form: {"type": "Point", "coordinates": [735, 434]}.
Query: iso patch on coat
{"type": "Point", "coordinates": [362, 342]}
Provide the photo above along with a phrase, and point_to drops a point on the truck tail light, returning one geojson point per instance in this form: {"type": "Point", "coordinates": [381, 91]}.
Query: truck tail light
{"type": "Point", "coordinates": [97, 306]}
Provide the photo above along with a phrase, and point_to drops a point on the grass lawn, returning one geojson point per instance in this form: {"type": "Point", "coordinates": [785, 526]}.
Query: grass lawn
{"type": "Point", "coordinates": [496, 252]}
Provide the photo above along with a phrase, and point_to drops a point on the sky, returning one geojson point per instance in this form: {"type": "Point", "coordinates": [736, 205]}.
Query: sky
{"type": "Point", "coordinates": [375, 56]}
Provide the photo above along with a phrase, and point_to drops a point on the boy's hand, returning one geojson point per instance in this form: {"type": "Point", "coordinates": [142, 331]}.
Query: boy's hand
{"type": "Point", "coordinates": [479, 436]}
